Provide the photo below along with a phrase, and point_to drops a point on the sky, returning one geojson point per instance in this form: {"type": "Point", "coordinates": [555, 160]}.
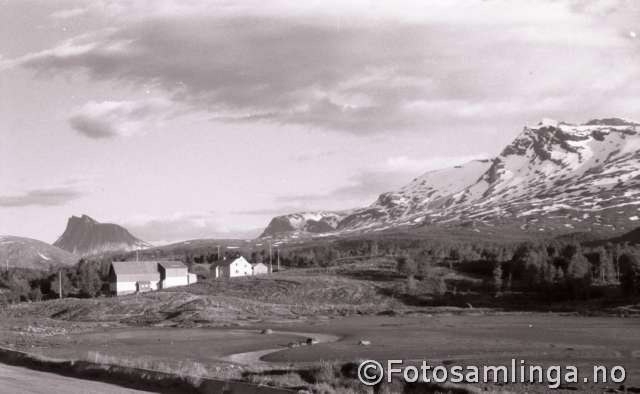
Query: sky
{"type": "Point", "coordinates": [205, 119]}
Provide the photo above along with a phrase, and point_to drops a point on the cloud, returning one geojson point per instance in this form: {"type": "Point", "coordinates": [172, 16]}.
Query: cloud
{"type": "Point", "coordinates": [362, 188]}
{"type": "Point", "coordinates": [275, 211]}
{"type": "Point", "coordinates": [44, 197]}
{"type": "Point", "coordinates": [313, 155]}
{"type": "Point", "coordinates": [68, 13]}
{"type": "Point", "coordinates": [182, 226]}
{"type": "Point", "coordinates": [366, 185]}
{"type": "Point", "coordinates": [108, 119]}
{"type": "Point", "coordinates": [357, 69]}
{"type": "Point", "coordinates": [419, 165]}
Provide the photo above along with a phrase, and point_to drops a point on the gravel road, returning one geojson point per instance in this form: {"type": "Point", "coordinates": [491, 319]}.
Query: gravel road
{"type": "Point", "coordinates": [17, 380]}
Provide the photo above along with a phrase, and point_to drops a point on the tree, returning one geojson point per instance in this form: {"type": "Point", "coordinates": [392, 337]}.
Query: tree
{"type": "Point", "coordinates": [424, 265]}
{"type": "Point", "coordinates": [579, 267]}
{"type": "Point", "coordinates": [411, 285]}
{"type": "Point", "coordinates": [406, 265]}
{"type": "Point", "coordinates": [54, 284]}
{"type": "Point", "coordinates": [630, 273]}
{"type": "Point", "coordinates": [35, 294]}
{"type": "Point", "coordinates": [530, 264]}
{"type": "Point", "coordinates": [89, 283]}
{"type": "Point", "coordinates": [19, 287]}
{"type": "Point", "coordinates": [605, 270]}
{"type": "Point", "coordinates": [441, 286]}
{"type": "Point", "coordinates": [578, 275]}
{"type": "Point", "coordinates": [497, 278]}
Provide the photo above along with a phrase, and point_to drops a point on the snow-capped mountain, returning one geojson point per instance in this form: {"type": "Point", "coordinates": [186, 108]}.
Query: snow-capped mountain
{"type": "Point", "coordinates": [85, 236]}
{"type": "Point", "coordinates": [308, 222]}
{"type": "Point", "coordinates": [555, 177]}
{"type": "Point", "coordinates": [19, 252]}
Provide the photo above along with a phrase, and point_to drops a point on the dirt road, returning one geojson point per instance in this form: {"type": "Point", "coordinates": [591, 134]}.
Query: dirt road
{"type": "Point", "coordinates": [254, 358]}
{"type": "Point", "coordinates": [16, 380]}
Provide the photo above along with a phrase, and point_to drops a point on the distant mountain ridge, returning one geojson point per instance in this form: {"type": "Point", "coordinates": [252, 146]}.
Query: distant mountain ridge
{"type": "Point", "coordinates": [554, 178]}
{"type": "Point", "coordinates": [310, 222]}
{"type": "Point", "coordinates": [27, 253]}
{"type": "Point", "coordinates": [632, 237]}
{"type": "Point", "coordinates": [86, 236]}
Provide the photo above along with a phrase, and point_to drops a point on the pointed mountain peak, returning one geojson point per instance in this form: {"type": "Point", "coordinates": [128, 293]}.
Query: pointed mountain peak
{"type": "Point", "coordinates": [85, 235]}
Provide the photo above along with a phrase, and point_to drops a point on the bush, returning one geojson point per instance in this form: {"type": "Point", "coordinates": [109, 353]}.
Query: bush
{"type": "Point", "coordinates": [630, 274]}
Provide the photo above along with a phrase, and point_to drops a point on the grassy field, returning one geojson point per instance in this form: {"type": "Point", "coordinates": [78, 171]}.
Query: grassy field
{"type": "Point", "coordinates": [196, 329]}
{"type": "Point", "coordinates": [482, 339]}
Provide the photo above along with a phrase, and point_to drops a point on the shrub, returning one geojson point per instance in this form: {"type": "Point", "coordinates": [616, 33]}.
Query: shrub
{"type": "Point", "coordinates": [630, 273]}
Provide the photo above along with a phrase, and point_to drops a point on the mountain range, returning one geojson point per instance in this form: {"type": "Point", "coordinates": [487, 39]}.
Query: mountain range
{"type": "Point", "coordinates": [554, 178]}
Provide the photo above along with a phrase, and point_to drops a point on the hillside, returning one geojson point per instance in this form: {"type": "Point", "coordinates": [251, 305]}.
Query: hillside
{"type": "Point", "coordinates": [18, 252]}
{"type": "Point", "coordinates": [86, 236]}
{"type": "Point", "coordinates": [555, 178]}
{"type": "Point", "coordinates": [632, 237]}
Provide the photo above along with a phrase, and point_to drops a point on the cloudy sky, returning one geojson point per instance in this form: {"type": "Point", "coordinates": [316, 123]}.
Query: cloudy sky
{"type": "Point", "coordinates": [189, 119]}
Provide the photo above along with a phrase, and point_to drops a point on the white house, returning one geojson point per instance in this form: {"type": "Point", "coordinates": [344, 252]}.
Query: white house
{"type": "Point", "coordinates": [128, 277]}
{"type": "Point", "coordinates": [259, 269]}
{"type": "Point", "coordinates": [232, 268]}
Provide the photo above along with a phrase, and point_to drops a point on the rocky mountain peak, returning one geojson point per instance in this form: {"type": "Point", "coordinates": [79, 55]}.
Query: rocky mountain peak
{"type": "Point", "coordinates": [85, 235]}
{"type": "Point", "coordinates": [82, 219]}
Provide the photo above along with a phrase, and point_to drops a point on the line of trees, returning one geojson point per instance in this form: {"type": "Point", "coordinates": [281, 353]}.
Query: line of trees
{"type": "Point", "coordinates": [560, 270]}
{"type": "Point", "coordinates": [86, 279]}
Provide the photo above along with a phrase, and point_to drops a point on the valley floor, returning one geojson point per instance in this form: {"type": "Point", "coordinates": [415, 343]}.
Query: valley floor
{"type": "Point", "coordinates": [199, 330]}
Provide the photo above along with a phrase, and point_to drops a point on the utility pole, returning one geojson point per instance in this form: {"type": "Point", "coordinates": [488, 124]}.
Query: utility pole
{"type": "Point", "coordinates": [60, 284]}
{"type": "Point", "coordinates": [270, 258]}
{"type": "Point", "coordinates": [278, 256]}
{"type": "Point", "coordinates": [218, 255]}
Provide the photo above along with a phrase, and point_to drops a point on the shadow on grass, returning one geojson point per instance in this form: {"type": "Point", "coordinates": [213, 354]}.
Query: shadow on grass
{"type": "Point", "coordinates": [519, 301]}
{"type": "Point", "coordinates": [373, 275]}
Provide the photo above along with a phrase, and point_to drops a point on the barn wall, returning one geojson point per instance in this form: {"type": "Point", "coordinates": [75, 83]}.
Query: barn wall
{"type": "Point", "coordinates": [122, 288]}
{"type": "Point", "coordinates": [174, 281]}
{"type": "Point", "coordinates": [175, 272]}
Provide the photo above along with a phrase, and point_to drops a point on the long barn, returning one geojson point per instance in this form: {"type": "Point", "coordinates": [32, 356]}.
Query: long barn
{"type": "Point", "coordinates": [128, 277]}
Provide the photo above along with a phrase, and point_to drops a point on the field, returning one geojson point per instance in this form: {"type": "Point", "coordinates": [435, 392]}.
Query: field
{"type": "Point", "coordinates": [482, 339]}
{"type": "Point", "coordinates": [215, 329]}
